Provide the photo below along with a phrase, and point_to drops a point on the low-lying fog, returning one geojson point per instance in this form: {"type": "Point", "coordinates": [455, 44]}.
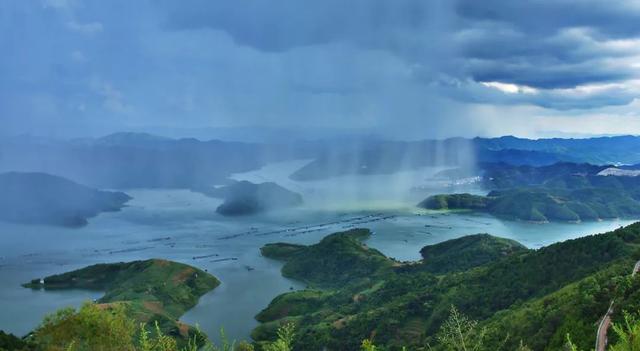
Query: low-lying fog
{"type": "Point", "coordinates": [182, 225]}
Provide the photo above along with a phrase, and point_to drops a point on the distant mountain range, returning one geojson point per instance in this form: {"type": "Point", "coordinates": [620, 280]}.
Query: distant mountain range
{"type": "Point", "coordinates": [385, 157]}
{"type": "Point", "coordinates": [601, 150]}
{"type": "Point", "coordinates": [128, 160]}
{"type": "Point", "coordinates": [138, 160]}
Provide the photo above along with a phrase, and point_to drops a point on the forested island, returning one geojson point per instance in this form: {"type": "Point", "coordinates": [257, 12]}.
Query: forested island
{"type": "Point", "coordinates": [154, 292]}
{"type": "Point", "coordinates": [246, 198]}
{"type": "Point", "coordinates": [39, 198]}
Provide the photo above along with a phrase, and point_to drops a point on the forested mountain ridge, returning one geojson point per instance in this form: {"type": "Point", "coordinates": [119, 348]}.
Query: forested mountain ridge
{"type": "Point", "coordinates": [407, 306]}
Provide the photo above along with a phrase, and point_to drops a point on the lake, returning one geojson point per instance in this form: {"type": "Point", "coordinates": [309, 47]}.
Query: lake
{"type": "Point", "coordinates": [181, 225]}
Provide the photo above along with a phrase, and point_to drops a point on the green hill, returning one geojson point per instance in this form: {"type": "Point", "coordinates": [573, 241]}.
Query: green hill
{"type": "Point", "coordinates": [467, 252]}
{"type": "Point", "coordinates": [338, 259]}
{"type": "Point", "coordinates": [455, 201]}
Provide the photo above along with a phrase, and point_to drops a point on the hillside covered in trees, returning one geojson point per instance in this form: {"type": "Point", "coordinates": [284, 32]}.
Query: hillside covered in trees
{"type": "Point", "coordinates": [517, 295]}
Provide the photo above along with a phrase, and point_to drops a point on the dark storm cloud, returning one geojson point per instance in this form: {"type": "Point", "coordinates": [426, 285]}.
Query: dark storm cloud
{"type": "Point", "coordinates": [94, 66]}
{"type": "Point", "coordinates": [542, 44]}
{"type": "Point", "coordinates": [614, 18]}
{"type": "Point", "coordinates": [283, 25]}
{"type": "Point", "coordinates": [561, 100]}
{"type": "Point", "coordinates": [546, 44]}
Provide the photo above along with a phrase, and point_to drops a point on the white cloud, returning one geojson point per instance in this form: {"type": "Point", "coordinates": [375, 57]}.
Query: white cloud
{"type": "Point", "coordinates": [510, 88]}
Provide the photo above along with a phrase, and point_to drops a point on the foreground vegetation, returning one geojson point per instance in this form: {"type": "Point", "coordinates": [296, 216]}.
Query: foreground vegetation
{"type": "Point", "coordinates": [95, 327]}
{"type": "Point", "coordinates": [98, 329]}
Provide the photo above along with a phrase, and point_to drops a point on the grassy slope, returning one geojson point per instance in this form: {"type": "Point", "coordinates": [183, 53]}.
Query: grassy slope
{"type": "Point", "coordinates": [153, 290]}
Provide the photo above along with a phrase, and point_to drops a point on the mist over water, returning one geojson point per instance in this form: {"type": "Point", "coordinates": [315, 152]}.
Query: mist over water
{"type": "Point", "coordinates": [182, 225]}
{"type": "Point", "coordinates": [369, 175]}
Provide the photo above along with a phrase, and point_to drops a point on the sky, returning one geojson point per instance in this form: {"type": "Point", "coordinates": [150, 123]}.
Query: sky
{"type": "Point", "coordinates": [399, 68]}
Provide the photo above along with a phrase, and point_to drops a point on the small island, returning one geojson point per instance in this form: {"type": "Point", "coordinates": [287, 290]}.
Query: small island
{"type": "Point", "coordinates": [152, 291]}
{"type": "Point", "coordinates": [40, 198]}
{"type": "Point", "coordinates": [246, 198]}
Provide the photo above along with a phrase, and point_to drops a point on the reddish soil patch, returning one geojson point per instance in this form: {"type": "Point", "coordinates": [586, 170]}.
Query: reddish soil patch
{"type": "Point", "coordinates": [153, 306]}
{"type": "Point", "coordinates": [183, 275]}
{"type": "Point", "coordinates": [161, 263]}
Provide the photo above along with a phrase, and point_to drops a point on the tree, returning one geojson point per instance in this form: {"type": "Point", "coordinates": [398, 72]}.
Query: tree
{"type": "Point", "coordinates": [628, 334]}
{"type": "Point", "coordinates": [459, 333]}
{"type": "Point", "coordinates": [569, 345]}
{"type": "Point", "coordinates": [91, 328]}
{"type": "Point", "coordinates": [286, 334]}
